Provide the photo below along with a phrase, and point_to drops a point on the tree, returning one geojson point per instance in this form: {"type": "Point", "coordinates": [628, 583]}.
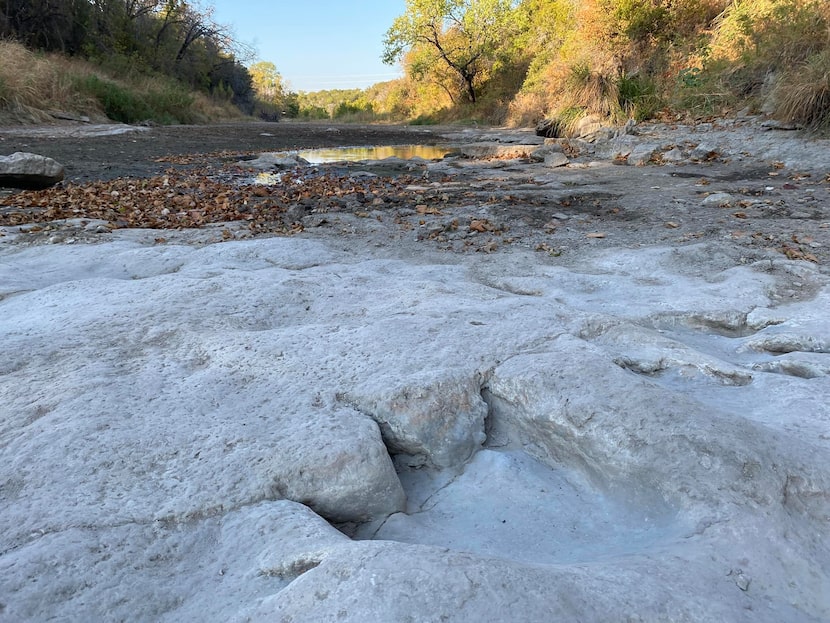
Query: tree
{"type": "Point", "coordinates": [267, 82]}
{"type": "Point", "coordinates": [467, 36]}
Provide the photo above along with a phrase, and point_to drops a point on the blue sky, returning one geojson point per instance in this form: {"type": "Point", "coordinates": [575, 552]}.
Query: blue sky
{"type": "Point", "coordinates": [316, 44]}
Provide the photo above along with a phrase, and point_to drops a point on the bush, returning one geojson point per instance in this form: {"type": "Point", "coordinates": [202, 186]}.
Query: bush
{"type": "Point", "coordinates": [594, 91]}
{"type": "Point", "coordinates": [168, 104]}
{"type": "Point", "coordinates": [118, 103]}
{"type": "Point", "coordinates": [638, 97]}
{"type": "Point", "coordinates": [641, 19]}
{"type": "Point", "coordinates": [772, 33]}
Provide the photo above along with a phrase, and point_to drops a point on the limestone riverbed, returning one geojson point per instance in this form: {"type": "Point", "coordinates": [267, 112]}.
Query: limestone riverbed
{"type": "Point", "coordinates": [385, 417]}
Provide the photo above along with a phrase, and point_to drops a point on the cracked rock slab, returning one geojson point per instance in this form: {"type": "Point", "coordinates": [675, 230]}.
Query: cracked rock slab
{"type": "Point", "coordinates": [160, 402]}
{"type": "Point", "coordinates": [439, 418]}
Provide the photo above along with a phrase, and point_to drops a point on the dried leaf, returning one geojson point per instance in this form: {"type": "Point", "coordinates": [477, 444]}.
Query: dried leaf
{"type": "Point", "coordinates": [481, 225]}
{"type": "Point", "coordinates": [425, 209]}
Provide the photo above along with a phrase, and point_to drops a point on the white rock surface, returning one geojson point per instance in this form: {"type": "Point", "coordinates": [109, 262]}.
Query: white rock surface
{"type": "Point", "coordinates": [25, 170]}
{"type": "Point", "coordinates": [610, 439]}
{"type": "Point", "coordinates": [273, 161]}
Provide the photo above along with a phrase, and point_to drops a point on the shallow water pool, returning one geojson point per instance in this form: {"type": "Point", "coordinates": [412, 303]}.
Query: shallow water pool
{"type": "Point", "coordinates": [376, 152]}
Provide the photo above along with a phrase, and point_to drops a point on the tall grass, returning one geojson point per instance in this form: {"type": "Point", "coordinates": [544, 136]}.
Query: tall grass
{"type": "Point", "coordinates": [637, 58]}
{"type": "Point", "coordinates": [776, 53]}
{"type": "Point", "coordinates": [804, 96]}
{"type": "Point", "coordinates": [34, 85]}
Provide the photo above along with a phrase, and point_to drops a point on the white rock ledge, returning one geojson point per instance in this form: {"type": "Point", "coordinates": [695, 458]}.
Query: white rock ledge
{"type": "Point", "coordinates": [505, 438]}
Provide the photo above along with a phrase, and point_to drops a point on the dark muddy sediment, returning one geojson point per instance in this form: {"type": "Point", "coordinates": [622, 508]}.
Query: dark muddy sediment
{"type": "Point", "coordinates": [137, 153]}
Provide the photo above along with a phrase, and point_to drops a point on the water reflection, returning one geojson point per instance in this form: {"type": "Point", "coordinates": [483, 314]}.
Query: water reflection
{"type": "Point", "coordinates": [354, 154]}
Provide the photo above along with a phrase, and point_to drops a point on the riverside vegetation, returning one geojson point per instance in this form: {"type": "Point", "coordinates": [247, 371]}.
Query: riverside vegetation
{"type": "Point", "coordinates": [488, 61]}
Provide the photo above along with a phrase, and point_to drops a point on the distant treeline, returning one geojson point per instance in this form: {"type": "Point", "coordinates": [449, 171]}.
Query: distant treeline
{"type": "Point", "coordinates": [174, 38]}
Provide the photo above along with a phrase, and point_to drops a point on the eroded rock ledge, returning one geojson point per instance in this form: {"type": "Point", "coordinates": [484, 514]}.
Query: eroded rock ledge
{"type": "Point", "coordinates": [494, 437]}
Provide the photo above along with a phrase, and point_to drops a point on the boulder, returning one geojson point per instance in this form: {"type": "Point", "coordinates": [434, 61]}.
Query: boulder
{"type": "Point", "coordinates": [436, 420]}
{"type": "Point", "coordinates": [269, 162]}
{"type": "Point", "coordinates": [542, 152]}
{"type": "Point", "coordinates": [588, 125]}
{"type": "Point", "coordinates": [642, 154]}
{"type": "Point", "coordinates": [556, 160]}
{"type": "Point", "coordinates": [673, 155]}
{"type": "Point", "coordinates": [29, 171]}
{"type": "Point", "coordinates": [705, 151]}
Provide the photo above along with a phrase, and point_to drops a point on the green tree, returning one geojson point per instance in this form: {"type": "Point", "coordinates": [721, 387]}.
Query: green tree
{"type": "Point", "coordinates": [466, 36]}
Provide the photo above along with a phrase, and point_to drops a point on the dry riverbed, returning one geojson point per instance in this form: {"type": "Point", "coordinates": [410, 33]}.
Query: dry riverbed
{"type": "Point", "coordinates": [763, 190]}
{"type": "Point", "coordinates": [581, 381]}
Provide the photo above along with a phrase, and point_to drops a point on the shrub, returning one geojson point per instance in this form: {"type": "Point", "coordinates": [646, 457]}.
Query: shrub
{"type": "Point", "coordinates": [638, 97]}
{"type": "Point", "coordinates": [593, 91]}
{"type": "Point", "coordinates": [772, 33]}
{"type": "Point", "coordinates": [804, 96]}
{"type": "Point", "coordinates": [165, 104]}
{"type": "Point", "coordinates": [118, 103]}
{"type": "Point", "coordinates": [641, 19]}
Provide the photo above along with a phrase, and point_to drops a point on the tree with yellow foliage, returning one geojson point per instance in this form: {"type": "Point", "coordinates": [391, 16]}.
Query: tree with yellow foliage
{"type": "Point", "coordinates": [465, 37]}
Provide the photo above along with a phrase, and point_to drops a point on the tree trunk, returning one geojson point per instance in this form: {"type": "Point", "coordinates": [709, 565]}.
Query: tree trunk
{"type": "Point", "coordinates": [468, 85]}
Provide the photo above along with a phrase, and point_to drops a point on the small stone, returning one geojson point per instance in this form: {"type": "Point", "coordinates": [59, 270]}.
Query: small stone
{"type": "Point", "coordinates": [705, 151]}
{"type": "Point", "coordinates": [556, 160]}
{"type": "Point", "coordinates": [674, 155]}
{"type": "Point", "coordinates": [642, 154]}
{"type": "Point", "coordinates": [269, 162]}
{"type": "Point", "coordinates": [718, 199]}
{"type": "Point", "coordinates": [539, 155]}
{"type": "Point", "coordinates": [741, 579]}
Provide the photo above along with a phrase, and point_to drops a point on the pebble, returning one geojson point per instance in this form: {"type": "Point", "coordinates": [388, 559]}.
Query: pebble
{"type": "Point", "coordinates": [718, 199]}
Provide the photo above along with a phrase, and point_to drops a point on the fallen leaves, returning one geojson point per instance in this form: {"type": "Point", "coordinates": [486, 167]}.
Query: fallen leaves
{"type": "Point", "coordinates": [179, 200]}
{"type": "Point", "coordinates": [481, 226]}
{"type": "Point", "coordinates": [425, 209]}
{"type": "Point", "coordinates": [797, 253]}
{"type": "Point", "coordinates": [546, 248]}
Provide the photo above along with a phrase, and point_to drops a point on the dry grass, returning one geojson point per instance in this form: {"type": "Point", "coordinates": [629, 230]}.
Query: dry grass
{"type": "Point", "coordinates": [804, 96]}
{"type": "Point", "coordinates": [35, 85]}
{"type": "Point", "coordinates": [772, 33]}
{"type": "Point", "coordinates": [526, 109]}
{"type": "Point", "coordinates": [32, 84]}
{"type": "Point", "coordinates": [595, 91]}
